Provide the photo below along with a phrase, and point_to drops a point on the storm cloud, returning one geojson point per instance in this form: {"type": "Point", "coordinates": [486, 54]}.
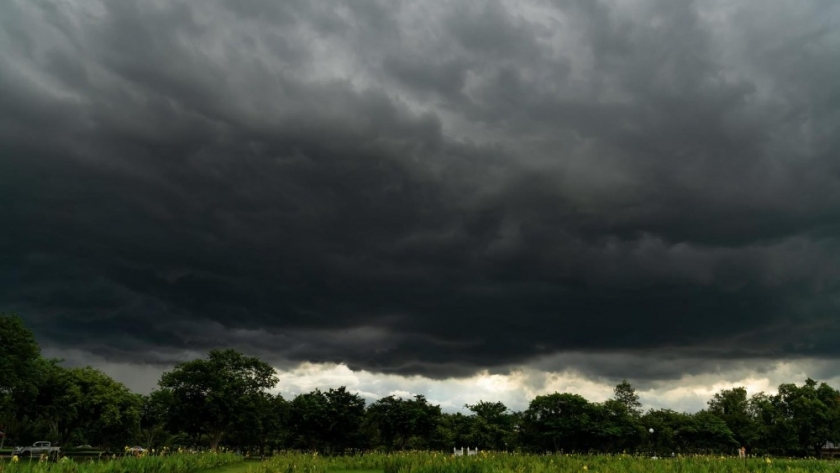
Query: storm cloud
{"type": "Point", "coordinates": [432, 189]}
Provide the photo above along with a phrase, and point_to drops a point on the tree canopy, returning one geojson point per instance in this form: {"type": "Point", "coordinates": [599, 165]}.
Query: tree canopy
{"type": "Point", "coordinates": [210, 395]}
{"type": "Point", "coordinates": [228, 398]}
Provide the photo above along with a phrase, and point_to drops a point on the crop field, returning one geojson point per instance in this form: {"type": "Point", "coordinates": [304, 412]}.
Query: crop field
{"type": "Point", "coordinates": [175, 463]}
{"type": "Point", "coordinates": [421, 462]}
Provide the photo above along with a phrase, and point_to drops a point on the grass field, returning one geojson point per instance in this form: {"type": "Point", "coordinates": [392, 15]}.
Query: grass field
{"type": "Point", "coordinates": [176, 463]}
{"type": "Point", "coordinates": [241, 467]}
{"type": "Point", "coordinates": [423, 462]}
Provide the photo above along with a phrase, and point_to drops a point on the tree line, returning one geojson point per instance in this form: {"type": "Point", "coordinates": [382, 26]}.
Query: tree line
{"type": "Point", "coordinates": [225, 399]}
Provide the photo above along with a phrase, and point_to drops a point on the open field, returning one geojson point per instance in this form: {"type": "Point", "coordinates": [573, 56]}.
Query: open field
{"type": "Point", "coordinates": [422, 462]}
{"type": "Point", "coordinates": [240, 467]}
{"type": "Point", "coordinates": [175, 463]}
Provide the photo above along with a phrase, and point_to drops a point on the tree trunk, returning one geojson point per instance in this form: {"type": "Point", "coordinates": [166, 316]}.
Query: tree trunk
{"type": "Point", "coordinates": [215, 439]}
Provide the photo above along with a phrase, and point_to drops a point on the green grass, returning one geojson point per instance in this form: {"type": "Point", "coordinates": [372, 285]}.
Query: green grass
{"type": "Point", "coordinates": [176, 463]}
{"type": "Point", "coordinates": [488, 462]}
{"type": "Point", "coordinates": [357, 471]}
{"type": "Point", "coordinates": [243, 467]}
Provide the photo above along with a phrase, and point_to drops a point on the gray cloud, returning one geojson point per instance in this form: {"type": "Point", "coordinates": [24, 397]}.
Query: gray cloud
{"type": "Point", "coordinates": [424, 189]}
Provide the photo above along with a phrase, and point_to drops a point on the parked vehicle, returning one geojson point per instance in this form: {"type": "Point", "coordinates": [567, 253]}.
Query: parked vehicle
{"type": "Point", "coordinates": [37, 449]}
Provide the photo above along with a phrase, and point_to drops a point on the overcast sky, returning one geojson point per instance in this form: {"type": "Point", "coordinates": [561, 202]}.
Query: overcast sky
{"type": "Point", "coordinates": [457, 199]}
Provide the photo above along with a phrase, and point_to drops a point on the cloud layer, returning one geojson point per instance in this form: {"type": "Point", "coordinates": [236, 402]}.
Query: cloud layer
{"type": "Point", "coordinates": [415, 189]}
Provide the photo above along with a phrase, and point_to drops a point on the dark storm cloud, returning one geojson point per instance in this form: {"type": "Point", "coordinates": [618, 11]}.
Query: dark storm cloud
{"type": "Point", "coordinates": [425, 189]}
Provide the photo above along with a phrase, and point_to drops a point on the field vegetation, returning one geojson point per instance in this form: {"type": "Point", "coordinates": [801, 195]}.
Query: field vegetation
{"type": "Point", "coordinates": [175, 463]}
{"type": "Point", "coordinates": [488, 462]}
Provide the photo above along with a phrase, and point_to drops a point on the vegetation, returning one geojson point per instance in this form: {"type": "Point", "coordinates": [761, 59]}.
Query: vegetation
{"type": "Point", "coordinates": [226, 400]}
{"type": "Point", "coordinates": [430, 462]}
{"type": "Point", "coordinates": [177, 463]}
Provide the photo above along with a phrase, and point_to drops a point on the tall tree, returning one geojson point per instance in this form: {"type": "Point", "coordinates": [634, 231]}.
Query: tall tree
{"type": "Point", "coordinates": [56, 406]}
{"type": "Point", "coordinates": [558, 421]}
{"type": "Point", "coordinates": [401, 420]}
{"type": "Point", "coordinates": [309, 417]}
{"type": "Point", "coordinates": [328, 421]}
{"type": "Point", "coordinates": [83, 405]}
{"type": "Point", "coordinates": [492, 428]}
{"type": "Point", "coordinates": [262, 422]}
{"type": "Point", "coordinates": [19, 355]}
{"type": "Point", "coordinates": [626, 394]}
{"type": "Point", "coordinates": [733, 407]}
{"type": "Point", "coordinates": [346, 412]}
{"type": "Point", "coordinates": [775, 433]}
{"type": "Point", "coordinates": [386, 416]}
{"type": "Point", "coordinates": [154, 415]}
{"type": "Point", "coordinates": [811, 411]}
{"type": "Point", "coordinates": [108, 413]}
{"type": "Point", "coordinates": [614, 428]}
{"type": "Point", "coordinates": [213, 392]}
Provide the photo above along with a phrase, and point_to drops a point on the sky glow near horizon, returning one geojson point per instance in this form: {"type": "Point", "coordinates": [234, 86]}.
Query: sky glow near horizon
{"type": "Point", "coordinates": [515, 389]}
{"type": "Point", "coordinates": [490, 200]}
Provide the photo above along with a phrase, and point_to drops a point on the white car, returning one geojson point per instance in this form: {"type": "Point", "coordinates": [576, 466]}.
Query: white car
{"type": "Point", "coordinates": [37, 448]}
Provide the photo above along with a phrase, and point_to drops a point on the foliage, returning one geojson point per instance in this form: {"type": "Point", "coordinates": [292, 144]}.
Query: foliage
{"type": "Point", "coordinates": [262, 422]}
{"type": "Point", "coordinates": [558, 421]}
{"type": "Point", "coordinates": [493, 426]}
{"type": "Point", "coordinates": [154, 413]}
{"type": "Point", "coordinates": [209, 395]}
{"type": "Point", "coordinates": [326, 421]}
{"type": "Point", "coordinates": [732, 406]}
{"type": "Point", "coordinates": [626, 395]}
{"type": "Point", "coordinates": [19, 359]}
{"type": "Point", "coordinates": [399, 420]}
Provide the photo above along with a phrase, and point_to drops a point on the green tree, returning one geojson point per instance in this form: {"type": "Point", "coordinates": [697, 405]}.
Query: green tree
{"type": "Point", "coordinates": [262, 422]}
{"type": "Point", "coordinates": [309, 417]}
{"type": "Point", "coordinates": [154, 414]}
{"type": "Point", "coordinates": [82, 405]}
{"type": "Point", "coordinates": [386, 416]}
{"type": "Point", "coordinates": [733, 407]}
{"type": "Point", "coordinates": [626, 394]}
{"type": "Point", "coordinates": [107, 412]}
{"type": "Point", "coordinates": [775, 432]}
{"type": "Point", "coordinates": [707, 431]}
{"type": "Point", "coordinates": [346, 412]}
{"type": "Point", "coordinates": [19, 355]}
{"type": "Point", "coordinates": [702, 432]}
{"type": "Point", "coordinates": [492, 428]}
{"type": "Point", "coordinates": [452, 430]}
{"type": "Point", "coordinates": [54, 411]}
{"type": "Point", "coordinates": [558, 421]}
{"type": "Point", "coordinates": [327, 421]}
{"type": "Point", "coordinates": [399, 421]}
{"type": "Point", "coordinates": [613, 427]}
{"type": "Point", "coordinates": [810, 411]}
{"type": "Point", "coordinates": [209, 395]}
